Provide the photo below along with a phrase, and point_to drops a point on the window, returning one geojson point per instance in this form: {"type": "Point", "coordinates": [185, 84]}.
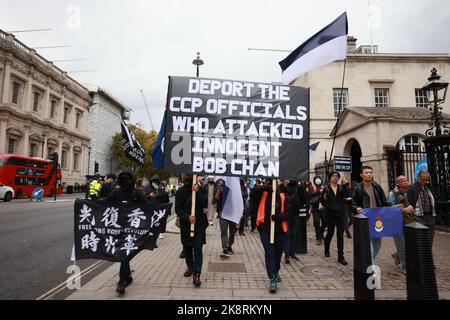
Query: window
{"type": "Point", "coordinates": [76, 156]}
{"type": "Point", "coordinates": [421, 99]}
{"type": "Point", "coordinates": [50, 151]}
{"type": "Point", "coordinates": [64, 159]}
{"type": "Point", "coordinates": [66, 114]}
{"type": "Point", "coordinates": [12, 145]}
{"type": "Point", "coordinates": [412, 144]}
{"type": "Point", "coordinates": [382, 98]}
{"type": "Point", "coordinates": [77, 120]}
{"type": "Point", "coordinates": [338, 103]}
{"type": "Point", "coordinates": [16, 92]}
{"type": "Point", "coordinates": [33, 150]}
{"type": "Point", "coordinates": [36, 101]}
{"type": "Point", "coordinates": [53, 106]}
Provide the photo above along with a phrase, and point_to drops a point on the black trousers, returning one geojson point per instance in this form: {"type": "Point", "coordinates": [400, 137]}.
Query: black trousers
{"type": "Point", "coordinates": [337, 222]}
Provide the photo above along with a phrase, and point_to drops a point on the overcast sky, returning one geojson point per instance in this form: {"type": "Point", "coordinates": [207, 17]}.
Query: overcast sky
{"type": "Point", "coordinates": [137, 44]}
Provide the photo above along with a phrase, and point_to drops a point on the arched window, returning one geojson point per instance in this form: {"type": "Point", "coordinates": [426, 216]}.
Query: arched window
{"type": "Point", "coordinates": [411, 144]}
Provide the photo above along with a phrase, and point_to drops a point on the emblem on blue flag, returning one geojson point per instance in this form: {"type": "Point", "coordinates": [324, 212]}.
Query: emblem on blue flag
{"type": "Point", "coordinates": [384, 222]}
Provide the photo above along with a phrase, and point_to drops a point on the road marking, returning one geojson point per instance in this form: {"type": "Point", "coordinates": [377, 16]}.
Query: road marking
{"type": "Point", "coordinates": [62, 286]}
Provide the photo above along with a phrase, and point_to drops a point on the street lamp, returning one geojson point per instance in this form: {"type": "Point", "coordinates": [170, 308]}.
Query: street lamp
{"type": "Point", "coordinates": [436, 91]}
{"type": "Point", "coordinates": [89, 159]}
{"type": "Point", "coordinates": [43, 144]}
{"type": "Point", "coordinates": [198, 62]}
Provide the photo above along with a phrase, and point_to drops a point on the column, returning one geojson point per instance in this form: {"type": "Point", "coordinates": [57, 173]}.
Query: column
{"type": "Point", "coordinates": [3, 137]}
{"type": "Point", "coordinates": [26, 141]}
{"type": "Point", "coordinates": [27, 104]}
{"type": "Point", "coordinates": [59, 148]}
{"type": "Point", "coordinates": [71, 158]}
{"type": "Point", "coordinates": [46, 104]}
{"type": "Point", "coordinates": [6, 97]}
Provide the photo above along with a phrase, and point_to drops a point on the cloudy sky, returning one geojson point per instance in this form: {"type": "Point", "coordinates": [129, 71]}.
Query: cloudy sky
{"type": "Point", "coordinates": [137, 44]}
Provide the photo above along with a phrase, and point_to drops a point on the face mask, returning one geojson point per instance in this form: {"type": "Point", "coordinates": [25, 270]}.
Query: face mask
{"type": "Point", "coordinates": [318, 182]}
{"type": "Point", "coordinates": [154, 184]}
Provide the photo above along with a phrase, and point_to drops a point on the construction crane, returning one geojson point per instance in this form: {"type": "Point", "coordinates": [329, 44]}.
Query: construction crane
{"type": "Point", "coordinates": [148, 111]}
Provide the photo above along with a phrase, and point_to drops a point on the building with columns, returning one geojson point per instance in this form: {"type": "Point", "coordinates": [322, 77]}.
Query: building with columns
{"type": "Point", "coordinates": [42, 109]}
{"type": "Point", "coordinates": [376, 88]}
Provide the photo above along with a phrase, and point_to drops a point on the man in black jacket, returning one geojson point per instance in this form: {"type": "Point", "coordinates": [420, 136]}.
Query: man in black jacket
{"type": "Point", "coordinates": [126, 193]}
{"type": "Point", "coordinates": [108, 186]}
{"type": "Point", "coordinates": [369, 194]}
{"type": "Point", "coordinates": [333, 198]}
{"type": "Point", "coordinates": [192, 246]}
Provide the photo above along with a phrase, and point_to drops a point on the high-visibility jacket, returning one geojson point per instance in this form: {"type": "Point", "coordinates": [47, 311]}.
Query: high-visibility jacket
{"type": "Point", "coordinates": [94, 188]}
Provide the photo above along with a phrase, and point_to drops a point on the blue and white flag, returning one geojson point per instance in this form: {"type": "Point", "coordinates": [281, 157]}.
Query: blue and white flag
{"type": "Point", "coordinates": [158, 149]}
{"type": "Point", "coordinates": [232, 201]}
{"type": "Point", "coordinates": [312, 150]}
{"type": "Point", "coordinates": [384, 222]}
{"type": "Point", "coordinates": [326, 46]}
{"type": "Point", "coordinates": [421, 165]}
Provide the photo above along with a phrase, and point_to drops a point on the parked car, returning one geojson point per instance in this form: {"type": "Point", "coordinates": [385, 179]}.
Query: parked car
{"type": "Point", "coordinates": [6, 193]}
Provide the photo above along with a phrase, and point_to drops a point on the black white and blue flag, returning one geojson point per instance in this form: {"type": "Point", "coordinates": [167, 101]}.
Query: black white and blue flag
{"type": "Point", "coordinates": [326, 46]}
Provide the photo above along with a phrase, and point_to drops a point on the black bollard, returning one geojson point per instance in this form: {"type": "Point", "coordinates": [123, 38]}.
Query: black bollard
{"type": "Point", "coordinates": [301, 242]}
{"type": "Point", "coordinates": [362, 259]}
{"type": "Point", "coordinates": [420, 276]}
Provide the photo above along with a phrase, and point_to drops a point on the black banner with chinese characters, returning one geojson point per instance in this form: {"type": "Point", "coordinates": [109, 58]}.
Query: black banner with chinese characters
{"type": "Point", "coordinates": [114, 231]}
{"type": "Point", "coordinates": [237, 128]}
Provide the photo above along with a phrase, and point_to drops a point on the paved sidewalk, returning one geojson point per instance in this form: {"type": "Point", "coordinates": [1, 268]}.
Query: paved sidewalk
{"type": "Point", "coordinates": [158, 274]}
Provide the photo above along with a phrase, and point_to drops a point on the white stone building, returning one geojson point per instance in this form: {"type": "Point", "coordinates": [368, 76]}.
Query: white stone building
{"type": "Point", "coordinates": [104, 122]}
{"type": "Point", "coordinates": [42, 109]}
{"type": "Point", "coordinates": [380, 81]}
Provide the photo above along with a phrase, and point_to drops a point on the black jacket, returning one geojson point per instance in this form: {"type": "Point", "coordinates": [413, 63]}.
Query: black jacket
{"type": "Point", "coordinates": [183, 203]}
{"type": "Point", "coordinates": [127, 193]}
{"type": "Point", "coordinates": [334, 204]}
{"type": "Point", "coordinates": [107, 189]}
{"type": "Point", "coordinates": [362, 200]}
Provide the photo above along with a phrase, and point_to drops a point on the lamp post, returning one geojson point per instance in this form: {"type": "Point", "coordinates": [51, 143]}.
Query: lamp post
{"type": "Point", "coordinates": [89, 159]}
{"type": "Point", "coordinates": [436, 90]}
{"type": "Point", "coordinates": [198, 62]}
{"type": "Point", "coordinates": [437, 146]}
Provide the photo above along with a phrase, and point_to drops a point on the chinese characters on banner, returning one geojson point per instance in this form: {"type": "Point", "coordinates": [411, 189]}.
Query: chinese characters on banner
{"type": "Point", "coordinates": [114, 231]}
{"type": "Point", "coordinates": [237, 128]}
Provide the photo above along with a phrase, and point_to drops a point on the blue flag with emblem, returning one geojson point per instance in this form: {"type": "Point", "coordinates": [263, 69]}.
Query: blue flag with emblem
{"type": "Point", "coordinates": [158, 150]}
{"type": "Point", "coordinates": [384, 222]}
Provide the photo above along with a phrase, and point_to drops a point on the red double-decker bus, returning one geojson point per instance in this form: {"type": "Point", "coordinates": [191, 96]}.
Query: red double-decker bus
{"type": "Point", "coordinates": [24, 174]}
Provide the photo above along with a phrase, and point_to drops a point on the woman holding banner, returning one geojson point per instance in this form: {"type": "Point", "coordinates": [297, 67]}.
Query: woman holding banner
{"type": "Point", "coordinates": [192, 246]}
{"type": "Point", "coordinates": [272, 252]}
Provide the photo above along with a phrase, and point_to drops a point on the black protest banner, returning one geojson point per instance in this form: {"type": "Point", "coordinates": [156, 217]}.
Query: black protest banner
{"type": "Point", "coordinates": [237, 128]}
{"type": "Point", "coordinates": [131, 145]}
{"type": "Point", "coordinates": [114, 231]}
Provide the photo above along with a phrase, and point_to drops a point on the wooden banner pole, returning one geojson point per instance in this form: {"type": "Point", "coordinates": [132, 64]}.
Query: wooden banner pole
{"type": "Point", "coordinates": [194, 182]}
{"type": "Point", "coordinates": [272, 224]}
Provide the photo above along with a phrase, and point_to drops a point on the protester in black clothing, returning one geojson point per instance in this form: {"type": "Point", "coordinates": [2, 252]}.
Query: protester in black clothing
{"type": "Point", "coordinates": [253, 204]}
{"type": "Point", "coordinates": [348, 207]}
{"type": "Point", "coordinates": [192, 247]}
{"type": "Point", "coordinates": [314, 202]}
{"type": "Point", "coordinates": [272, 252]}
{"type": "Point", "coordinates": [293, 205]}
{"type": "Point", "coordinates": [333, 198]}
{"type": "Point", "coordinates": [108, 186]}
{"type": "Point", "coordinates": [245, 198]}
{"type": "Point", "coordinates": [126, 192]}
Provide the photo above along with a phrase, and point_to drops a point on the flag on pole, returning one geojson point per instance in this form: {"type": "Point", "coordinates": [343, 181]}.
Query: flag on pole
{"type": "Point", "coordinates": [312, 150]}
{"type": "Point", "coordinates": [384, 221]}
{"type": "Point", "coordinates": [158, 149]}
{"type": "Point", "coordinates": [232, 201]}
{"type": "Point", "coordinates": [326, 46]}
{"type": "Point", "coordinates": [131, 145]}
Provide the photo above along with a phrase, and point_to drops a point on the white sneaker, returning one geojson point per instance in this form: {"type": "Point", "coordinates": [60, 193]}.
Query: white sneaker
{"type": "Point", "coordinates": [161, 236]}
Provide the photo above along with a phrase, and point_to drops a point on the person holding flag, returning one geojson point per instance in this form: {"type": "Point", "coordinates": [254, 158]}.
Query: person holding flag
{"type": "Point", "coordinates": [369, 194]}
{"type": "Point", "coordinates": [399, 197]}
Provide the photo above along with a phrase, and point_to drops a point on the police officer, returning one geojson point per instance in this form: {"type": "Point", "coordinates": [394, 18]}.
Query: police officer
{"type": "Point", "coordinates": [95, 187]}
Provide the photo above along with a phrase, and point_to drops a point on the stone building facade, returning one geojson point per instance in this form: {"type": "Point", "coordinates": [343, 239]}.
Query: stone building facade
{"type": "Point", "coordinates": [42, 109]}
{"type": "Point", "coordinates": [104, 122]}
{"type": "Point", "coordinates": [372, 80]}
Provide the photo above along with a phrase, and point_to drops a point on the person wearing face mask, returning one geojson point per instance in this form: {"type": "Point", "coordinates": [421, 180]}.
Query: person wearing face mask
{"type": "Point", "coordinates": [126, 192]}
{"type": "Point", "coordinates": [314, 202]}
